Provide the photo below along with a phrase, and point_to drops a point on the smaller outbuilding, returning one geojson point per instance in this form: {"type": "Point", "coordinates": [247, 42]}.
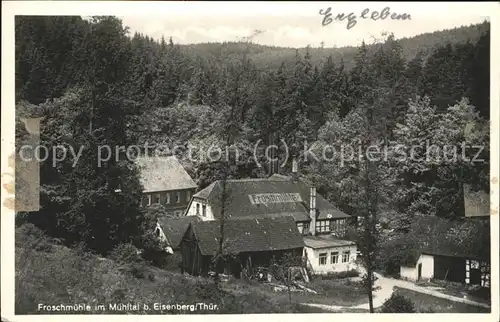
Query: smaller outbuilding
{"type": "Point", "coordinates": [248, 243]}
{"type": "Point", "coordinates": [461, 268]}
{"type": "Point", "coordinates": [172, 229]}
{"type": "Point", "coordinates": [326, 254]}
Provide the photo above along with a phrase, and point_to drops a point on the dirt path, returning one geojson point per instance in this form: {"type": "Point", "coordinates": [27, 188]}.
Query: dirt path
{"type": "Point", "coordinates": [386, 288]}
{"type": "Point", "coordinates": [432, 292]}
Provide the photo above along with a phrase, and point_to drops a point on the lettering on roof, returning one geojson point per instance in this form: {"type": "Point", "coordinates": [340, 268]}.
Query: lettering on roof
{"type": "Point", "coordinates": [266, 198]}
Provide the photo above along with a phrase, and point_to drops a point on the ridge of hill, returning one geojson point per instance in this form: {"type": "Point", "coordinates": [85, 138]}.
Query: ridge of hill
{"type": "Point", "coordinates": [265, 56]}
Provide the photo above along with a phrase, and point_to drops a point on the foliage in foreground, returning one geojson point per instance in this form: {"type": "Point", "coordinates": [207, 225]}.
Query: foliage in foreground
{"type": "Point", "coordinates": [398, 304]}
{"type": "Point", "coordinates": [53, 274]}
{"type": "Point", "coordinates": [430, 304]}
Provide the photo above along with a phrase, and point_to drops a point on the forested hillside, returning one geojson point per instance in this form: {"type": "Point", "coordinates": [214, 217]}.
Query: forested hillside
{"type": "Point", "coordinates": [96, 85]}
{"type": "Point", "coordinates": [272, 57]}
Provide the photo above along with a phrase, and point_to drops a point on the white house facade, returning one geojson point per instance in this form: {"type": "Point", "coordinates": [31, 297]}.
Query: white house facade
{"type": "Point", "coordinates": [326, 254]}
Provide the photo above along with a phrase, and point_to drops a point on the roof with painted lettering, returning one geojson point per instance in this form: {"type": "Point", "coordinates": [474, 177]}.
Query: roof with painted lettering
{"type": "Point", "coordinates": [268, 197]}
{"type": "Point", "coordinates": [248, 235]}
{"type": "Point", "coordinates": [163, 174]}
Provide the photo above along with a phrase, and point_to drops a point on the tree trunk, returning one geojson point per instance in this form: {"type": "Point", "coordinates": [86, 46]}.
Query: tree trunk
{"type": "Point", "coordinates": [370, 220]}
{"type": "Point", "coordinates": [369, 273]}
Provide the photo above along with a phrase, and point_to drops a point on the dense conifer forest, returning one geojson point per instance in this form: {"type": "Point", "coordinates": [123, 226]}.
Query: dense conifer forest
{"type": "Point", "coordinates": [95, 84]}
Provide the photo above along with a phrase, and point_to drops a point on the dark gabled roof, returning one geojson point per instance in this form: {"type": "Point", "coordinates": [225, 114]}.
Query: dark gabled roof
{"type": "Point", "coordinates": [448, 249]}
{"type": "Point", "coordinates": [175, 228]}
{"type": "Point", "coordinates": [297, 216]}
{"type": "Point", "coordinates": [163, 174]}
{"type": "Point", "coordinates": [205, 193]}
{"type": "Point", "coordinates": [248, 235]}
{"type": "Point", "coordinates": [476, 203]}
{"type": "Point", "coordinates": [239, 203]}
{"type": "Point", "coordinates": [453, 254]}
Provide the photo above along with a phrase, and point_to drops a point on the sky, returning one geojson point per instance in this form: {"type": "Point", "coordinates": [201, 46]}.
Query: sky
{"type": "Point", "coordinates": [297, 24]}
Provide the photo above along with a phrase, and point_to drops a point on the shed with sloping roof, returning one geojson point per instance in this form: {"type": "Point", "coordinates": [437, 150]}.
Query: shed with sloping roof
{"type": "Point", "coordinates": [248, 243]}
{"type": "Point", "coordinates": [174, 228]}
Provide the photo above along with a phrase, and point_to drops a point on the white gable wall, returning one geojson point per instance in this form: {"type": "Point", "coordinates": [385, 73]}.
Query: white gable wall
{"type": "Point", "coordinates": [427, 262]}
{"type": "Point", "coordinates": [209, 215]}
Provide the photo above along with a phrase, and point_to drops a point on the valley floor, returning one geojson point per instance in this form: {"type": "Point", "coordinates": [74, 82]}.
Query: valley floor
{"type": "Point", "coordinates": [425, 298]}
{"type": "Point", "coordinates": [52, 274]}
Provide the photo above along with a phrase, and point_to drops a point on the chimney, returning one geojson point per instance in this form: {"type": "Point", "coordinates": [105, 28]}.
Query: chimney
{"type": "Point", "coordinates": [295, 174]}
{"type": "Point", "coordinates": [312, 211]}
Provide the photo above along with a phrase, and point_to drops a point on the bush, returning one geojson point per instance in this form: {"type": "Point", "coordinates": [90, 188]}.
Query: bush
{"type": "Point", "coordinates": [66, 275]}
{"type": "Point", "coordinates": [154, 249]}
{"type": "Point", "coordinates": [427, 310]}
{"type": "Point", "coordinates": [172, 262]}
{"type": "Point", "coordinates": [394, 253]}
{"type": "Point", "coordinates": [138, 270]}
{"type": "Point", "coordinates": [398, 304]}
{"type": "Point", "coordinates": [208, 290]}
{"type": "Point", "coordinates": [338, 275]}
{"type": "Point", "coordinates": [31, 237]}
{"type": "Point", "coordinates": [126, 253]}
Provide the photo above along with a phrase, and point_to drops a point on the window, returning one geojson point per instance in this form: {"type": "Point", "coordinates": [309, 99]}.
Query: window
{"type": "Point", "coordinates": [178, 197]}
{"type": "Point", "coordinates": [167, 197]}
{"type": "Point", "coordinates": [322, 226]}
{"type": "Point", "coordinates": [334, 257]}
{"type": "Point", "coordinates": [149, 200]}
{"type": "Point", "coordinates": [197, 209]}
{"type": "Point", "coordinates": [338, 226]}
{"type": "Point", "coordinates": [345, 256]}
{"type": "Point", "coordinates": [188, 195]}
{"type": "Point", "coordinates": [303, 228]}
{"type": "Point", "coordinates": [204, 210]}
{"type": "Point", "coordinates": [322, 258]}
{"type": "Point", "coordinates": [157, 198]}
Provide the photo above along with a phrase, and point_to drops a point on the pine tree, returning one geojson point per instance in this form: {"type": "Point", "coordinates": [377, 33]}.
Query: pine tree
{"type": "Point", "coordinates": [93, 201]}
